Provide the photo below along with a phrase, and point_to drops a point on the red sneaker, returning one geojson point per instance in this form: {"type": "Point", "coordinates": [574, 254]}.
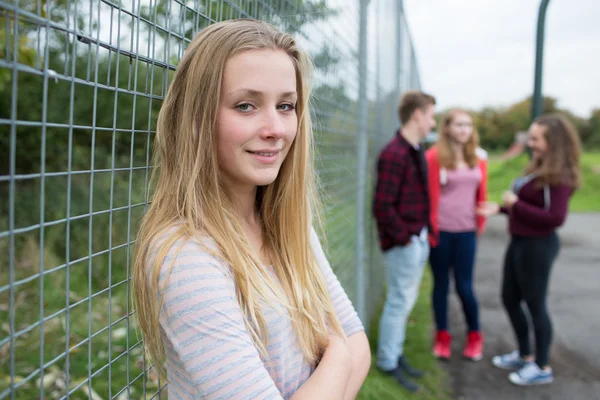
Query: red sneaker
{"type": "Point", "coordinates": [474, 347]}
{"type": "Point", "coordinates": [441, 347]}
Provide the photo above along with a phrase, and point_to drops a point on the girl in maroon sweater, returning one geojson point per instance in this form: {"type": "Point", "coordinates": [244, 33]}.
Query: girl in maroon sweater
{"type": "Point", "coordinates": [536, 206]}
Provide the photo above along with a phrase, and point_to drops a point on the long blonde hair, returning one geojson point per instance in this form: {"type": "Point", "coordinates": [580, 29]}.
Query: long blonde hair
{"type": "Point", "coordinates": [190, 196]}
{"type": "Point", "coordinates": [560, 164]}
{"type": "Point", "coordinates": [446, 156]}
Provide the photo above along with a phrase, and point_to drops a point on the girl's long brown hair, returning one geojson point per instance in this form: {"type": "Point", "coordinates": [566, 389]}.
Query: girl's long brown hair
{"type": "Point", "coordinates": [560, 163]}
{"type": "Point", "coordinates": [446, 156]}
{"type": "Point", "coordinates": [190, 201]}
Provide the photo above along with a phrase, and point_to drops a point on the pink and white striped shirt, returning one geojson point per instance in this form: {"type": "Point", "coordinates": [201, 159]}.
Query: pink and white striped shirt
{"type": "Point", "coordinates": [209, 353]}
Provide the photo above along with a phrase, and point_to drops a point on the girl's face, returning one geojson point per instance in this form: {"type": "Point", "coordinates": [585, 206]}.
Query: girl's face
{"type": "Point", "coordinates": [536, 141]}
{"type": "Point", "coordinates": [461, 128]}
{"type": "Point", "coordinates": [257, 120]}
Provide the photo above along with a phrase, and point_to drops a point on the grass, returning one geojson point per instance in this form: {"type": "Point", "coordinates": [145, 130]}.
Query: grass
{"type": "Point", "coordinates": [435, 385]}
{"type": "Point", "coordinates": [501, 173]}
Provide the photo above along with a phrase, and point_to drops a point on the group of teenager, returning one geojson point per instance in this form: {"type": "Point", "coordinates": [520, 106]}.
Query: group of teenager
{"type": "Point", "coordinates": [431, 205]}
{"type": "Point", "coordinates": [233, 291]}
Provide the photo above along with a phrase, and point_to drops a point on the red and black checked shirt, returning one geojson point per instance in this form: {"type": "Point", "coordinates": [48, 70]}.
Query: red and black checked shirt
{"type": "Point", "coordinates": [401, 204]}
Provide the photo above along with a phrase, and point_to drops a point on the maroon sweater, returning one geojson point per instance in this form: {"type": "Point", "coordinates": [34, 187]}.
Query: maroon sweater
{"type": "Point", "coordinates": [531, 216]}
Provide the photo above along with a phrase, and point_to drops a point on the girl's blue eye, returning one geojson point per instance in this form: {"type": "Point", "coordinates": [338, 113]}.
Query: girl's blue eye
{"type": "Point", "coordinates": [287, 107]}
{"type": "Point", "coordinates": [244, 107]}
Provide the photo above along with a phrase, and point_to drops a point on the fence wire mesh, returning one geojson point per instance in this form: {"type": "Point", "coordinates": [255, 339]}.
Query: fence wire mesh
{"type": "Point", "coordinates": [81, 83]}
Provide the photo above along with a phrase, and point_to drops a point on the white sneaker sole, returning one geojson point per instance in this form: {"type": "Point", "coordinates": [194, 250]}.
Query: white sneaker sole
{"type": "Point", "coordinates": [478, 358]}
{"type": "Point", "coordinates": [515, 379]}
{"type": "Point", "coordinates": [440, 357]}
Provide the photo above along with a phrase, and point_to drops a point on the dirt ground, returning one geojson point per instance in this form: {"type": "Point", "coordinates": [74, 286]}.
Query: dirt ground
{"type": "Point", "coordinates": [573, 302]}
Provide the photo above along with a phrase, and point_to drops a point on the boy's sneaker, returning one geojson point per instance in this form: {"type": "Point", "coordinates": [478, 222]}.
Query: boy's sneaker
{"type": "Point", "coordinates": [411, 371]}
{"type": "Point", "coordinates": [474, 347]}
{"type": "Point", "coordinates": [511, 361]}
{"type": "Point", "coordinates": [531, 374]}
{"type": "Point", "coordinates": [441, 347]}
{"type": "Point", "coordinates": [402, 379]}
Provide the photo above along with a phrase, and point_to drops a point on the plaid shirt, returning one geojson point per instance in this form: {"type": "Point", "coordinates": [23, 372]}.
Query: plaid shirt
{"type": "Point", "coordinates": [401, 204]}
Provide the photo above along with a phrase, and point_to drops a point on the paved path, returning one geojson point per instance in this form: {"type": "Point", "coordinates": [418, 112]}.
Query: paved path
{"type": "Point", "coordinates": [574, 303]}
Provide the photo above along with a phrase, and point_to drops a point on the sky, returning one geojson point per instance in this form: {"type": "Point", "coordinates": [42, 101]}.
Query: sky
{"type": "Point", "coordinates": [475, 53]}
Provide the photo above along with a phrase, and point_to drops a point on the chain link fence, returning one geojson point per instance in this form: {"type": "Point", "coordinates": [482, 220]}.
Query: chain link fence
{"type": "Point", "coordinates": [81, 83]}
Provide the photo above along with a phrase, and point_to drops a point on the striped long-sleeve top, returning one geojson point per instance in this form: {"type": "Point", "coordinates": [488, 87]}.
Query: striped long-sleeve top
{"type": "Point", "coordinates": [209, 352]}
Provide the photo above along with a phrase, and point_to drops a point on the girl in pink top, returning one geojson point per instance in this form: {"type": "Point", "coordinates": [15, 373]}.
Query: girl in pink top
{"type": "Point", "coordinates": [457, 185]}
{"type": "Point", "coordinates": [234, 295]}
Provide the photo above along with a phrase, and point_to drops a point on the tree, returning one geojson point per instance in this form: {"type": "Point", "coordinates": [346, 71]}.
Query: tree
{"type": "Point", "coordinates": [109, 102]}
{"type": "Point", "coordinates": [594, 128]}
{"type": "Point", "coordinates": [497, 127]}
{"type": "Point", "coordinates": [176, 21]}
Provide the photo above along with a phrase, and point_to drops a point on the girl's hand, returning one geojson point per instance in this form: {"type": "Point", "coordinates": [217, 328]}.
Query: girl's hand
{"type": "Point", "coordinates": [488, 209]}
{"type": "Point", "coordinates": [509, 199]}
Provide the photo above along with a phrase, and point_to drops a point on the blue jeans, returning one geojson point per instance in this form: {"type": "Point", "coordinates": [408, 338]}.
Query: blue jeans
{"type": "Point", "coordinates": [404, 267]}
{"type": "Point", "coordinates": [454, 251]}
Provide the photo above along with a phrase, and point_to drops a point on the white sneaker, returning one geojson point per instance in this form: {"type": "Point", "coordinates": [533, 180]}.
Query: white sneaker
{"type": "Point", "coordinates": [511, 361]}
{"type": "Point", "coordinates": [531, 374]}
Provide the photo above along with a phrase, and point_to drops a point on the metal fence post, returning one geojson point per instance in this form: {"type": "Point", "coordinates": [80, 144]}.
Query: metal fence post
{"type": "Point", "coordinates": [362, 154]}
{"type": "Point", "coordinates": [398, 71]}
{"type": "Point", "coordinates": [537, 101]}
{"type": "Point", "coordinates": [414, 71]}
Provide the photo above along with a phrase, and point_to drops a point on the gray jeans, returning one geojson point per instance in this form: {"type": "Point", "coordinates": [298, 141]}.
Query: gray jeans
{"type": "Point", "coordinates": [404, 270]}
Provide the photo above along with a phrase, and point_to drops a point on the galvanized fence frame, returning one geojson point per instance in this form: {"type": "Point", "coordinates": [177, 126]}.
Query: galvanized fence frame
{"type": "Point", "coordinates": [80, 85]}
